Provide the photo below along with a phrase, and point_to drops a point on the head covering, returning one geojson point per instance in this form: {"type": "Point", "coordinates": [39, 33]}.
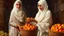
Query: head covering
{"type": "Point", "coordinates": [17, 15]}
{"type": "Point", "coordinates": [41, 13]}
{"type": "Point", "coordinates": [44, 4]}
{"type": "Point", "coordinates": [14, 6]}
{"type": "Point", "coordinates": [17, 11]}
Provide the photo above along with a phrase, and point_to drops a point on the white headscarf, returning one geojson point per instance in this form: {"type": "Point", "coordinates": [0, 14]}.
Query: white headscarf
{"type": "Point", "coordinates": [14, 6]}
{"type": "Point", "coordinates": [17, 14]}
{"type": "Point", "coordinates": [41, 13]}
{"type": "Point", "coordinates": [44, 4]}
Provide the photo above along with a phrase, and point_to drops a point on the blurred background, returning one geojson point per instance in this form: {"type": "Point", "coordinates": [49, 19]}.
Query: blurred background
{"type": "Point", "coordinates": [30, 7]}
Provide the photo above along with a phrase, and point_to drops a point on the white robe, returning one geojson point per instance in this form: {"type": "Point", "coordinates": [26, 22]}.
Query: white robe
{"type": "Point", "coordinates": [14, 20]}
{"type": "Point", "coordinates": [43, 24]}
{"type": "Point", "coordinates": [44, 19]}
{"type": "Point", "coordinates": [16, 17]}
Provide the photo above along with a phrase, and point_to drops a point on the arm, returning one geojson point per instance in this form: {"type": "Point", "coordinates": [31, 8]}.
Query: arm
{"type": "Point", "coordinates": [11, 20]}
{"type": "Point", "coordinates": [14, 19]}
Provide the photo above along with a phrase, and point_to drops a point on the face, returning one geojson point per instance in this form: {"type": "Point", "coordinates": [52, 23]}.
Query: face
{"type": "Point", "coordinates": [40, 7]}
{"type": "Point", "coordinates": [18, 5]}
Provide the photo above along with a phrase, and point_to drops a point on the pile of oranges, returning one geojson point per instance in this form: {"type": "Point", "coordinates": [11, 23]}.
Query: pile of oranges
{"type": "Point", "coordinates": [57, 28]}
{"type": "Point", "coordinates": [29, 27]}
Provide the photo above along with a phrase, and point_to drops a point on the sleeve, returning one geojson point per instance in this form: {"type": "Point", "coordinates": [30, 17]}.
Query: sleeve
{"type": "Point", "coordinates": [11, 19]}
{"type": "Point", "coordinates": [44, 24]}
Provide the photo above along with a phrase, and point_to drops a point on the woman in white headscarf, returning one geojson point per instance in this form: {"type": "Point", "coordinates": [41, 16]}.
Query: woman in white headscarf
{"type": "Point", "coordinates": [43, 17]}
{"type": "Point", "coordinates": [17, 17]}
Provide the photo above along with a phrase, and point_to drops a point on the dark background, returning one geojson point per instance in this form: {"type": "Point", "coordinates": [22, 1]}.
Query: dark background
{"type": "Point", "coordinates": [30, 7]}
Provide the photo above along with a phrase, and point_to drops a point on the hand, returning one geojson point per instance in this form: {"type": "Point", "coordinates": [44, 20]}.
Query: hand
{"type": "Point", "coordinates": [34, 23]}
{"type": "Point", "coordinates": [18, 25]}
{"type": "Point", "coordinates": [33, 20]}
{"type": "Point", "coordinates": [30, 20]}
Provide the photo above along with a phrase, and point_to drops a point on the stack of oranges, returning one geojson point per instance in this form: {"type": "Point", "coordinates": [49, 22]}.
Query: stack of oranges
{"type": "Point", "coordinates": [28, 27]}
{"type": "Point", "coordinates": [57, 28]}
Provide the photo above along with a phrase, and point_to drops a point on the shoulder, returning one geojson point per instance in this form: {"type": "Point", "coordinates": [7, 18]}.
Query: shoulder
{"type": "Point", "coordinates": [12, 12]}
{"type": "Point", "coordinates": [48, 12]}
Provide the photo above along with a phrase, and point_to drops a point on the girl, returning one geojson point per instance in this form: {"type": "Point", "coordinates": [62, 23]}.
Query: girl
{"type": "Point", "coordinates": [43, 17]}
{"type": "Point", "coordinates": [17, 17]}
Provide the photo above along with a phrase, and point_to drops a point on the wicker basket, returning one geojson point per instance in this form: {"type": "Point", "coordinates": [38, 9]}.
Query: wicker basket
{"type": "Point", "coordinates": [51, 33]}
{"type": "Point", "coordinates": [28, 32]}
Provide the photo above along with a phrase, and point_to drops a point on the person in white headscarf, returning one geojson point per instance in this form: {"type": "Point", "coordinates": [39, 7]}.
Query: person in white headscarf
{"type": "Point", "coordinates": [44, 18]}
{"type": "Point", "coordinates": [17, 16]}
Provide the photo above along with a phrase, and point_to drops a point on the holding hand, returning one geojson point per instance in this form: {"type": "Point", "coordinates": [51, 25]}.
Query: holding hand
{"type": "Point", "coordinates": [29, 20]}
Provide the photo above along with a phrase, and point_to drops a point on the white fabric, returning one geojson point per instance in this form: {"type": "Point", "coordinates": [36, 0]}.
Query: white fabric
{"type": "Point", "coordinates": [17, 16]}
{"type": "Point", "coordinates": [44, 19]}
{"type": "Point", "coordinates": [40, 12]}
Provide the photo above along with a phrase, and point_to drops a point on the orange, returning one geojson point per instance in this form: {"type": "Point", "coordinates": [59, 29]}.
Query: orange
{"type": "Point", "coordinates": [59, 27]}
{"type": "Point", "coordinates": [60, 30]}
{"type": "Point", "coordinates": [28, 26]}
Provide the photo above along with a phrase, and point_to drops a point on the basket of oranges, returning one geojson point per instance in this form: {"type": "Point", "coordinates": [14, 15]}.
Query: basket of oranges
{"type": "Point", "coordinates": [28, 29]}
{"type": "Point", "coordinates": [57, 30]}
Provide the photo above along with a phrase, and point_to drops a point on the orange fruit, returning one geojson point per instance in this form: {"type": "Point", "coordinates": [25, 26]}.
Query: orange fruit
{"type": "Point", "coordinates": [59, 27]}
{"type": "Point", "coordinates": [24, 28]}
{"type": "Point", "coordinates": [60, 30]}
{"type": "Point", "coordinates": [28, 26]}
{"type": "Point", "coordinates": [62, 26]}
